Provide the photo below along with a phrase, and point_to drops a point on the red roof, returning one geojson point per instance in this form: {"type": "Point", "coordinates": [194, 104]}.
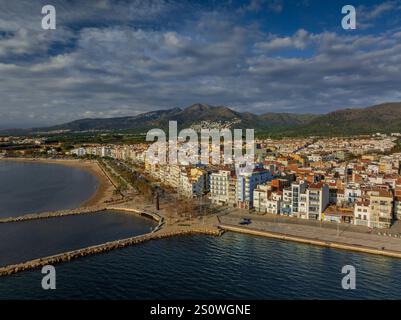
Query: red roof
{"type": "Point", "coordinates": [318, 185]}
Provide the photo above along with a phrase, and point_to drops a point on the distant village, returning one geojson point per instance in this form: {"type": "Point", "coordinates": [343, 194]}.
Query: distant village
{"type": "Point", "coordinates": [345, 180]}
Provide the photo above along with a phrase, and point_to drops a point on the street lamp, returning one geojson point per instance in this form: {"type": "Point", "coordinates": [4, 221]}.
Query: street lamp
{"type": "Point", "coordinates": [338, 229]}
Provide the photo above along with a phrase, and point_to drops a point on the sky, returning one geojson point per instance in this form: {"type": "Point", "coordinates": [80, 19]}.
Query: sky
{"type": "Point", "coordinates": [120, 58]}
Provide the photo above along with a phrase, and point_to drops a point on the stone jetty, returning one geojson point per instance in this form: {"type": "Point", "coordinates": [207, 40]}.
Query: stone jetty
{"type": "Point", "coordinates": [53, 214]}
{"type": "Point", "coordinates": [101, 248]}
{"type": "Point", "coordinates": [159, 232]}
{"type": "Point", "coordinates": [70, 212]}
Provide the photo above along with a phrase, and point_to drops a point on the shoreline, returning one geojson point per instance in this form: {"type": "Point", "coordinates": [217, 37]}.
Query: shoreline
{"type": "Point", "coordinates": [159, 232]}
{"type": "Point", "coordinates": [105, 189]}
{"type": "Point", "coordinates": [213, 227]}
{"type": "Point", "coordinates": [309, 241]}
{"type": "Point", "coordinates": [174, 231]}
{"type": "Point", "coordinates": [310, 235]}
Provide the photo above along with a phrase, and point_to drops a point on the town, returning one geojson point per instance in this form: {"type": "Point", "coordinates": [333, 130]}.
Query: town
{"type": "Point", "coordinates": [347, 180]}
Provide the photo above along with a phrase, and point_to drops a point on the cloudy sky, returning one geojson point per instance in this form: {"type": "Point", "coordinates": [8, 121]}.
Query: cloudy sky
{"type": "Point", "coordinates": [116, 58]}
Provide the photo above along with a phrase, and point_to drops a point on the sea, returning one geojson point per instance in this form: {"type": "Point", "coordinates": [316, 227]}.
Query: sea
{"type": "Point", "coordinates": [233, 266]}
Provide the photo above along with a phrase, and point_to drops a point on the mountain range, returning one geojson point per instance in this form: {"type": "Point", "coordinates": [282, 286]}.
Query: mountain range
{"type": "Point", "coordinates": [379, 118]}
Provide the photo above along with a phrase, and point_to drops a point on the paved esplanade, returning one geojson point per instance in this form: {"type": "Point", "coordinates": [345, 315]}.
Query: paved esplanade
{"type": "Point", "coordinates": [324, 234]}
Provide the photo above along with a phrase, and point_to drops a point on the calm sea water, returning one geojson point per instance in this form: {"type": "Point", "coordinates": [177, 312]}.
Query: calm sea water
{"type": "Point", "coordinates": [36, 187]}
{"type": "Point", "coordinates": [234, 266]}
{"type": "Point", "coordinates": [21, 241]}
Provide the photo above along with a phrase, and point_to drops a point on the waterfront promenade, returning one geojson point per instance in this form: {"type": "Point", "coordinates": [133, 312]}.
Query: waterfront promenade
{"type": "Point", "coordinates": [283, 228]}
{"type": "Point", "coordinates": [348, 239]}
{"type": "Point", "coordinates": [215, 225]}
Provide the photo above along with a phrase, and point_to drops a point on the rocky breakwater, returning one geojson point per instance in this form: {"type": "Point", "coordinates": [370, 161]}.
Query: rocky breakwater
{"type": "Point", "coordinates": [101, 248]}
{"type": "Point", "coordinates": [53, 214]}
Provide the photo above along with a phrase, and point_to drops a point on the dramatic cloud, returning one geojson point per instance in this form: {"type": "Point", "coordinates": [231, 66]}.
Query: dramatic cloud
{"type": "Point", "coordinates": [115, 58]}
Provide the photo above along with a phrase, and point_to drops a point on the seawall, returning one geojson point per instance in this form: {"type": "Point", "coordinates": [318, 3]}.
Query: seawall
{"type": "Point", "coordinates": [151, 215]}
{"type": "Point", "coordinates": [328, 244]}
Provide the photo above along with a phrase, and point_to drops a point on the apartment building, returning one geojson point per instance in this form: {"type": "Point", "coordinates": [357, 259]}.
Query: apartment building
{"type": "Point", "coordinates": [232, 192]}
{"type": "Point", "coordinates": [80, 152]}
{"type": "Point", "coordinates": [362, 216]}
{"type": "Point", "coordinates": [193, 182]}
{"type": "Point", "coordinates": [174, 176]}
{"type": "Point", "coordinates": [286, 206]}
{"type": "Point", "coordinates": [219, 186]}
{"type": "Point", "coordinates": [297, 189]}
{"type": "Point", "coordinates": [260, 196]}
{"type": "Point", "coordinates": [340, 197]}
{"type": "Point", "coordinates": [397, 208]}
{"type": "Point", "coordinates": [247, 182]}
{"type": "Point", "coordinates": [267, 201]}
{"type": "Point", "coordinates": [397, 200]}
{"type": "Point", "coordinates": [352, 192]}
{"type": "Point", "coordinates": [375, 209]}
{"type": "Point", "coordinates": [333, 190]}
{"type": "Point", "coordinates": [305, 201]}
{"type": "Point", "coordinates": [381, 208]}
{"type": "Point", "coordinates": [317, 200]}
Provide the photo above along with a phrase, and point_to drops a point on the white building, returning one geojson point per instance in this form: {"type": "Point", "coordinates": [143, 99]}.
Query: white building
{"type": "Point", "coordinates": [265, 200]}
{"type": "Point", "coordinates": [297, 189]}
{"type": "Point", "coordinates": [80, 152]}
{"type": "Point", "coordinates": [375, 210]}
{"type": "Point", "coordinates": [287, 201]}
{"type": "Point", "coordinates": [193, 182]}
{"type": "Point", "coordinates": [305, 202]}
{"type": "Point", "coordinates": [352, 192]}
{"type": "Point", "coordinates": [362, 213]}
{"type": "Point", "coordinates": [317, 196]}
{"type": "Point", "coordinates": [173, 176]}
{"type": "Point", "coordinates": [219, 186]}
{"type": "Point", "coordinates": [260, 197]}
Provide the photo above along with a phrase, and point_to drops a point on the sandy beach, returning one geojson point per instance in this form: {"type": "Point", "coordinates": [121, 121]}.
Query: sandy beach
{"type": "Point", "coordinates": [105, 189]}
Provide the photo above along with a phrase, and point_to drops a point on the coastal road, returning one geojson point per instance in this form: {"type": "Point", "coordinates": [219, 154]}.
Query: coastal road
{"type": "Point", "coordinates": [241, 213]}
{"type": "Point", "coordinates": [316, 233]}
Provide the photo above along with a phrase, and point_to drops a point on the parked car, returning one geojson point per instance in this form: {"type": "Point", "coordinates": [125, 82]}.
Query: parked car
{"type": "Point", "coordinates": [245, 221]}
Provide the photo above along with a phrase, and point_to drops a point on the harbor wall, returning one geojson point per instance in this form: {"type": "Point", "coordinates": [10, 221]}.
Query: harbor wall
{"type": "Point", "coordinates": [329, 244]}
